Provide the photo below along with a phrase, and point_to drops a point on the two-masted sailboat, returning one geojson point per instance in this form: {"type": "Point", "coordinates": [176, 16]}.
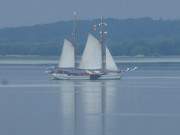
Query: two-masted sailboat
{"type": "Point", "coordinates": [96, 62]}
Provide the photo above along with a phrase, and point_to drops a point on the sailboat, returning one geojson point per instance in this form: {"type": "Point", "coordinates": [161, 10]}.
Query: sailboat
{"type": "Point", "coordinates": [90, 66]}
{"type": "Point", "coordinates": [96, 62]}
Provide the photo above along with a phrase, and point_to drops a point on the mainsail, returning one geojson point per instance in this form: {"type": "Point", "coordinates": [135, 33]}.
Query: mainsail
{"type": "Point", "coordinates": [92, 58]}
{"type": "Point", "coordinates": [67, 59]}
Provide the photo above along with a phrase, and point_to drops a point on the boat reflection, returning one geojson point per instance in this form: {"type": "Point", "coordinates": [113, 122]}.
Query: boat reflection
{"type": "Point", "coordinates": [83, 107]}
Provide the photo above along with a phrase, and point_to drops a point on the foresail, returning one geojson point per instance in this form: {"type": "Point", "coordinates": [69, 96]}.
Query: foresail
{"type": "Point", "coordinates": [91, 58]}
{"type": "Point", "coordinates": [67, 59]}
{"type": "Point", "coordinates": [110, 63]}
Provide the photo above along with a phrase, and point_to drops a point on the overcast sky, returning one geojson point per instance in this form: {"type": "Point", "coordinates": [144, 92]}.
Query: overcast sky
{"type": "Point", "coordinates": [29, 12]}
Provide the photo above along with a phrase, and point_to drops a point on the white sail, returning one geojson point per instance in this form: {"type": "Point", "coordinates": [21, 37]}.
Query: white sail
{"type": "Point", "coordinates": [67, 59]}
{"type": "Point", "coordinates": [91, 58]}
{"type": "Point", "coordinates": [110, 63]}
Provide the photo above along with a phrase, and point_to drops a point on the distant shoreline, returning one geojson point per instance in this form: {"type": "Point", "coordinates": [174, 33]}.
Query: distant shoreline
{"type": "Point", "coordinates": [39, 60]}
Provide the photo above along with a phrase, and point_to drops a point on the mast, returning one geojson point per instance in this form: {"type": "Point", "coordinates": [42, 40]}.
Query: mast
{"type": "Point", "coordinates": [102, 33]}
{"type": "Point", "coordinates": [74, 37]}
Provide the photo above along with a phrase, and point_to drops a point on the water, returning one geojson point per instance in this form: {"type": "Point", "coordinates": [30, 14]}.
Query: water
{"type": "Point", "coordinates": [144, 102]}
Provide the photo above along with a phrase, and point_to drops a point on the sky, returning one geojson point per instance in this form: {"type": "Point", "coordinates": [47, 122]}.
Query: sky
{"type": "Point", "coordinates": [15, 13]}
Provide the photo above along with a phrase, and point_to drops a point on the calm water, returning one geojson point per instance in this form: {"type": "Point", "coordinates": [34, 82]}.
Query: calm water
{"type": "Point", "coordinates": [144, 102]}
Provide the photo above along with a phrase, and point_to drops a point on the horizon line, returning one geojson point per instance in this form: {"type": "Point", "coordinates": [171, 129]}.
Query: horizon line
{"type": "Point", "coordinates": [93, 19]}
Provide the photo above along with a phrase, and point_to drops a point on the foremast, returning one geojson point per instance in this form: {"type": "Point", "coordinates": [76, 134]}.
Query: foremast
{"type": "Point", "coordinates": [75, 37]}
{"type": "Point", "coordinates": [102, 34]}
